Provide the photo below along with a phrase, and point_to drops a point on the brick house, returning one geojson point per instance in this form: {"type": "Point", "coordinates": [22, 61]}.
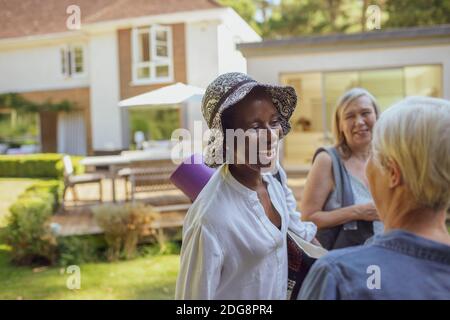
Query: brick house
{"type": "Point", "coordinates": [123, 48]}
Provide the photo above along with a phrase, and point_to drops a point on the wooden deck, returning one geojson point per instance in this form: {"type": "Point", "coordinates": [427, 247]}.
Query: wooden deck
{"type": "Point", "coordinates": [83, 222]}
{"type": "Point", "coordinates": [77, 218]}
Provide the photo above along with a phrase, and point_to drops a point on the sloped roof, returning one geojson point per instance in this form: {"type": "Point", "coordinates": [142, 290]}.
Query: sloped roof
{"type": "Point", "coordinates": [38, 17]}
{"type": "Point", "coordinates": [438, 32]}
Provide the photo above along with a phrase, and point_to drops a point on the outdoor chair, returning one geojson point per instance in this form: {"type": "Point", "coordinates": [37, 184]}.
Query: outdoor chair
{"type": "Point", "coordinates": [147, 176]}
{"type": "Point", "coordinates": [71, 180]}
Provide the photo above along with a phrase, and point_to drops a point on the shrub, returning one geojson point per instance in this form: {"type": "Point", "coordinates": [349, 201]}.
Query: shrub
{"type": "Point", "coordinates": [168, 247]}
{"type": "Point", "coordinates": [28, 225]}
{"type": "Point", "coordinates": [28, 231]}
{"type": "Point", "coordinates": [45, 165]}
{"type": "Point", "coordinates": [77, 166]}
{"type": "Point", "coordinates": [123, 226]}
{"type": "Point", "coordinates": [80, 249]}
{"type": "Point", "coordinates": [50, 187]}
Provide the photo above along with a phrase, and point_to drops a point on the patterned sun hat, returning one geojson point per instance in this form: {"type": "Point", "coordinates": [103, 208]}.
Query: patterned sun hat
{"type": "Point", "coordinates": [227, 90]}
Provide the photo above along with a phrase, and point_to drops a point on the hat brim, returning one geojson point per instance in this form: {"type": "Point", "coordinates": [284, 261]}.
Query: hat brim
{"type": "Point", "coordinates": [284, 99]}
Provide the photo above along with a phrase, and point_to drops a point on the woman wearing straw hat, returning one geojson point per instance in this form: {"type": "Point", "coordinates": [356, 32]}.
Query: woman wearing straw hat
{"type": "Point", "coordinates": [234, 234]}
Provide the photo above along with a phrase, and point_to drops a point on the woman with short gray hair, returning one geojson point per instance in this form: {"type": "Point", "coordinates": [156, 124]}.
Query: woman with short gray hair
{"type": "Point", "coordinates": [409, 178]}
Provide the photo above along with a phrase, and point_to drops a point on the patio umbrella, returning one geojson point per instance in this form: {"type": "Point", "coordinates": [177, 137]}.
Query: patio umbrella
{"type": "Point", "coordinates": [173, 94]}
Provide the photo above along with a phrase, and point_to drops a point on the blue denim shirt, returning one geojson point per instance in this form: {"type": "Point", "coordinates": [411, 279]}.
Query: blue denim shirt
{"type": "Point", "coordinates": [396, 265]}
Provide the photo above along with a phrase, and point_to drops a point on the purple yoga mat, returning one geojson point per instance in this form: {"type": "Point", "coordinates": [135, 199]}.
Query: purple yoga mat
{"type": "Point", "coordinates": [191, 176]}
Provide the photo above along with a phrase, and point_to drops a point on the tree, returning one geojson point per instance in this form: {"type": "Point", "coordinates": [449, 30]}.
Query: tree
{"type": "Point", "coordinates": [411, 13]}
{"type": "Point", "coordinates": [245, 8]}
{"type": "Point", "coordinates": [265, 7]}
{"type": "Point", "coordinates": [302, 17]}
{"type": "Point", "coordinates": [288, 18]}
{"type": "Point", "coordinates": [365, 5]}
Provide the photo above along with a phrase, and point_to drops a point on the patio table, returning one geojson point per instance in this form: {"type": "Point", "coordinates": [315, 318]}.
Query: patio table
{"type": "Point", "coordinates": [116, 162]}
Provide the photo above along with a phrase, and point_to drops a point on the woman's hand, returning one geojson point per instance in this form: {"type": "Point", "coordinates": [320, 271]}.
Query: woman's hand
{"type": "Point", "coordinates": [366, 212]}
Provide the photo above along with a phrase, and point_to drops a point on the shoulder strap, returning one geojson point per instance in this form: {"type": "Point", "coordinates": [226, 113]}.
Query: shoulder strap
{"type": "Point", "coordinates": [341, 177]}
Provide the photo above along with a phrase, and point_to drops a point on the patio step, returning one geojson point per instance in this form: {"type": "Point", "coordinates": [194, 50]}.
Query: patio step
{"type": "Point", "coordinates": [81, 221]}
{"type": "Point", "coordinates": [174, 207]}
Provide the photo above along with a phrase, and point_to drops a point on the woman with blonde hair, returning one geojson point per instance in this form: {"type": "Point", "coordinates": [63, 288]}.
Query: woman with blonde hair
{"type": "Point", "coordinates": [336, 196]}
{"type": "Point", "coordinates": [409, 177]}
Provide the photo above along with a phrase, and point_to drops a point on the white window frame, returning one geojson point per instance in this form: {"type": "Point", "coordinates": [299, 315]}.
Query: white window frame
{"type": "Point", "coordinates": [63, 53]}
{"type": "Point", "coordinates": [154, 59]}
{"type": "Point", "coordinates": [83, 52]}
{"type": "Point", "coordinates": [72, 73]}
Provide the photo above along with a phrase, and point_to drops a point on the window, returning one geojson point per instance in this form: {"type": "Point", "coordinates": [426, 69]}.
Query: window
{"type": "Point", "coordinates": [387, 85]}
{"type": "Point", "coordinates": [320, 91]}
{"type": "Point", "coordinates": [72, 60]}
{"type": "Point", "coordinates": [307, 120]}
{"type": "Point", "coordinates": [424, 81]}
{"type": "Point", "coordinates": [152, 55]}
{"type": "Point", "coordinates": [155, 123]}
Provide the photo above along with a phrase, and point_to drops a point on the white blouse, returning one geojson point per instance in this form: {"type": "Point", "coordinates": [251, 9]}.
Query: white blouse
{"type": "Point", "coordinates": [231, 250]}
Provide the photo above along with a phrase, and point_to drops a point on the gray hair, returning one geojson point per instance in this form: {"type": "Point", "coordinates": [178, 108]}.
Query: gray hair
{"type": "Point", "coordinates": [415, 133]}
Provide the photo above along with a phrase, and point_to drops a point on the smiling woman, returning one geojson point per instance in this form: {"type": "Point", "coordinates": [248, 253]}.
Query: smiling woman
{"type": "Point", "coordinates": [235, 232]}
{"type": "Point", "coordinates": [336, 196]}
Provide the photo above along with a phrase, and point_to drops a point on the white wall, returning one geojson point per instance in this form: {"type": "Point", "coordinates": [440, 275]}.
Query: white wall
{"type": "Point", "coordinates": [202, 59]}
{"type": "Point", "coordinates": [268, 69]}
{"type": "Point", "coordinates": [193, 112]}
{"type": "Point", "coordinates": [230, 59]}
{"type": "Point", "coordinates": [211, 47]}
{"type": "Point", "coordinates": [231, 31]}
{"type": "Point", "coordinates": [35, 68]}
{"type": "Point", "coordinates": [240, 27]}
{"type": "Point", "coordinates": [104, 93]}
{"type": "Point", "coordinates": [211, 50]}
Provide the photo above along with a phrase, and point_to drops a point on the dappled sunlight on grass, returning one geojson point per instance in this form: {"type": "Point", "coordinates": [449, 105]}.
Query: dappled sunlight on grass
{"type": "Point", "coordinates": [151, 277]}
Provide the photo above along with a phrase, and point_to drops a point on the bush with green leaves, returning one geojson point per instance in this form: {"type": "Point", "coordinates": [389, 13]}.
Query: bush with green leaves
{"type": "Point", "coordinates": [167, 247]}
{"type": "Point", "coordinates": [80, 249]}
{"type": "Point", "coordinates": [123, 226]}
{"type": "Point", "coordinates": [30, 166]}
{"type": "Point", "coordinates": [77, 166]}
{"type": "Point", "coordinates": [45, 165]}
{"type": "Point", "coordinates": [45, 188]}
{"type": "Point", "coordinates": [28, 229]}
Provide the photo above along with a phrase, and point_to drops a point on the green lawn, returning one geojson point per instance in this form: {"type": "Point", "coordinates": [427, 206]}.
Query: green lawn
{"type": "Point", "coordinates": [150, 277]}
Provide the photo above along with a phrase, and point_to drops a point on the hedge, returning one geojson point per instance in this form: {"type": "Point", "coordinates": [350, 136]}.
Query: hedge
{"type": "Point", "coordinates": [30, 235]}
{"type": "Point", "coordinates": [28, 229]}
{"type": "Point", "coordinates": [41, 165]}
